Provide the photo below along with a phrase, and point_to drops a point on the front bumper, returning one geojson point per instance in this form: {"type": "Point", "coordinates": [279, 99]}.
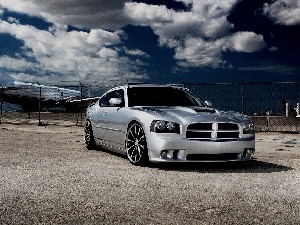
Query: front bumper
{"type": "Point", "coordinates": [170, 149]}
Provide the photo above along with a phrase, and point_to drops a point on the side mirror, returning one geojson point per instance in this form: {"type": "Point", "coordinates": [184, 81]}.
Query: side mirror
{"type": "Point", "coordinates": [115, 102]}
{"type": "Point", "coordinates": [208, 103]}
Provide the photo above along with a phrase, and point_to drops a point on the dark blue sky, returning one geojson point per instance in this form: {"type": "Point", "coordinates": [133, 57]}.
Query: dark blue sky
{"type": "Point", "coordinates": [159, 41]}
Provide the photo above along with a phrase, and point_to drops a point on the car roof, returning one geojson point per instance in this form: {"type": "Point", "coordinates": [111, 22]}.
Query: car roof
{"type": "Point", "coordinates": [153, 85]}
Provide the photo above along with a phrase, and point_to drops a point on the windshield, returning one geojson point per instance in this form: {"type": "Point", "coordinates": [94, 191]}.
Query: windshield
{"type": "Point", "coordinates": [161, 96]}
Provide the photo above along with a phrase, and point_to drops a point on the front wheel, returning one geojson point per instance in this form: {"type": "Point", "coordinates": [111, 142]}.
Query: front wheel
{"type": "Point", "coordinates": [136, 145]}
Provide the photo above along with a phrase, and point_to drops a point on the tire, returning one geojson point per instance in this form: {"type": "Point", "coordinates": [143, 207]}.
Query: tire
{"type": "Point", "coordinates": [136, 145]}
{"type": "Point", "coordinates": [89, 140]}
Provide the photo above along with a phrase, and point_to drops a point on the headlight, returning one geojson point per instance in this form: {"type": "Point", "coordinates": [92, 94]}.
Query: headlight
{"type": "Point", "coordinates": [248, 128]}
{"type": "Point", "coordinates": [161, 126]}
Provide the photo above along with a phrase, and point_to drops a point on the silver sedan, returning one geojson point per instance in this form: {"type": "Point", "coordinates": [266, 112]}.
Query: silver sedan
{"type": "Point", "coordinates": [161, 123]}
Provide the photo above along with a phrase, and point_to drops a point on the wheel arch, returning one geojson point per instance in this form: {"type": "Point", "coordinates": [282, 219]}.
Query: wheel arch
{"type": "Point", "coordinates": [132, 122]}
{"type": "Point", "coordinates": [136, 121]}
{"type": "Point", "coordinates": [141, 124]}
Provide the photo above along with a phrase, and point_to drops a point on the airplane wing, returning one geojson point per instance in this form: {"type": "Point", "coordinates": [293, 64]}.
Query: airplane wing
{"type": "Point", "coordinates": [78, 105]}
{"type": "Point", "coordinates": [33, 96]}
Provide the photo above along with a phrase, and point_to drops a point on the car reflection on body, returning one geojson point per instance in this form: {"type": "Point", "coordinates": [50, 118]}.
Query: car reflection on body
{"type": "Point", "coordinates": [165, 123]}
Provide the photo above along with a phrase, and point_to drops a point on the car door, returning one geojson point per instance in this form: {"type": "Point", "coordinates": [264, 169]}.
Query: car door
{"type": "Point", "coordinates": [112, 123]}
{"type": "Point", "coordinates": [99, 118]}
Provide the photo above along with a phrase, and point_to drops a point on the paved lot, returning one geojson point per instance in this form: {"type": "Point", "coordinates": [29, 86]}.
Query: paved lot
{"type": "Point", "coordinates": [48, 177]}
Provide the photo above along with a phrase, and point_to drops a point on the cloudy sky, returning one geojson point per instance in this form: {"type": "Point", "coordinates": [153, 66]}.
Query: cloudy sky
{"type": "Point", "coordinates": [161, 41]}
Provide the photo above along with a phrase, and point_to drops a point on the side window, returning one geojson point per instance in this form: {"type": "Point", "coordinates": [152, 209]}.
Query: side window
{"type": "Point", "coordinates": [104, 101]}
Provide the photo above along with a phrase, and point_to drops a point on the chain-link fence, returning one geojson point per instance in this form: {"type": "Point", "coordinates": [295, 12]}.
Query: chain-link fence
{"type": "Point", "coordinates": [273, 106]}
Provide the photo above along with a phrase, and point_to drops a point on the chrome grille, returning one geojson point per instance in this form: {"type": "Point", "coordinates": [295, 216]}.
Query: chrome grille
{"type": "Point", "coordinates": [213, 131]}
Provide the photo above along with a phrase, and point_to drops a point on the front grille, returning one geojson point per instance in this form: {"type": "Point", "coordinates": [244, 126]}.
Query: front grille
{"type": "Point", "coordinates": [228, 135]}
{"type": "Point", "coordinates": [200, 126]}
{"type": "Point", "coordinates": [212, 157]}
{"type": "Point", "coordinates": [193, 134]}
{"type": "Point", "coordinates": [213, 131]}
{"type": "Point", "coordinates": [227, 126]}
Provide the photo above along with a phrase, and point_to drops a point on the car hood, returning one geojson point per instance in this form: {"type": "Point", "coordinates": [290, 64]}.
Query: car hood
{"type": "Point", "coordinates": [196, 114]}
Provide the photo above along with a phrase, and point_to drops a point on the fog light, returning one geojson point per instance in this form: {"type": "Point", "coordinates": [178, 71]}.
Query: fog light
{"type": "Point", "coordinates": [239, 156]}
{"type": "Point", "coordinates": [248, 153]}
{"type": "Point", "coordinates": [164, 154]}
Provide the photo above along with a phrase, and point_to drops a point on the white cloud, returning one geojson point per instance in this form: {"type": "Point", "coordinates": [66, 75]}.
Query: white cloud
{"type": "Point", "coordinates": [199, 53]}
{"type": "Point", "coordinates": [207, 19]}
{"type": "Point", "coordinates": [107, 14]}
{"type": "Point", "coordinates": [246, 42]}
{"type": "Point", "coordinates": [107, 53]}
{"type": "Point", "coordinates": [12, 20]}
{"type": "Point", "coordinates": [144, 14]}
{"type": "Point", "coordinates": [286, 12]}
{"type": "Point", "coordinates": [76, 55]}
{"type": "Point", "coordinates": [16, 64]}
{"type": "Point", "coordinates": [199, 36]}
{"type": "Point", "coordinates": [30, 78]}
{"type": "Point", "coordinates": [196, 52]}
{"type": "Point", "coordinates": [136, 52]}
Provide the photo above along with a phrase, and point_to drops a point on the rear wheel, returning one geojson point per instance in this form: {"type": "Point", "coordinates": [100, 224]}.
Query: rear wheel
{"type": "Point", "coordinates": [136, 145]}
{"type": "Point", "coordinates": [89, 136]}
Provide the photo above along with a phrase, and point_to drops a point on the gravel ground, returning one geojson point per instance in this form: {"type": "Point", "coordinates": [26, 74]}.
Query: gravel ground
{"type": "Point", "coordinates": [48, 177]}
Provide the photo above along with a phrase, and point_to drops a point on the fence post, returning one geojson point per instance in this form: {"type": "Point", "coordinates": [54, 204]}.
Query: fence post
{"type": "Point", "coordinates": [81, 102]}
{"type": "Point", "coordinates": [40, 98]}
{"type": "Point", "coordinates": [287, 109]}
{"type": "Point", "coordinates": [243, 96]}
